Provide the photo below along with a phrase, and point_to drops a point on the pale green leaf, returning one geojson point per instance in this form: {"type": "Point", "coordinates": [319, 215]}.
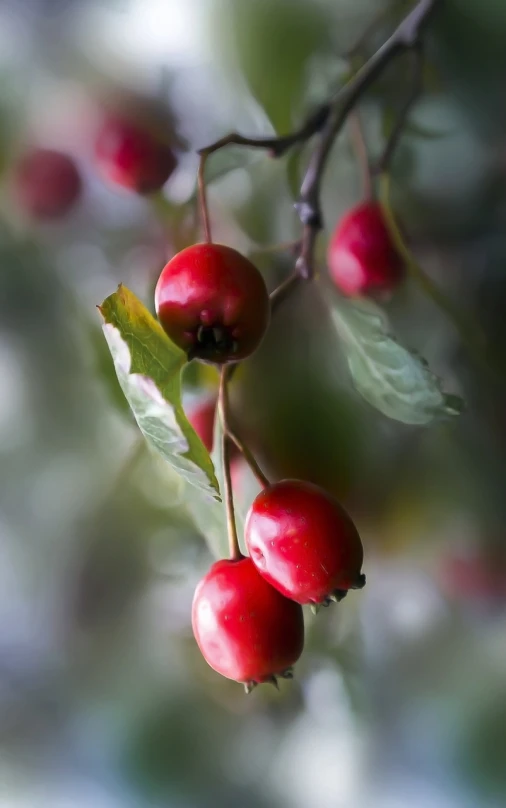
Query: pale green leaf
{"type": "Point", "coordinates": [392, 379]}
{"type": "Point", "coordinates": [148, 366]}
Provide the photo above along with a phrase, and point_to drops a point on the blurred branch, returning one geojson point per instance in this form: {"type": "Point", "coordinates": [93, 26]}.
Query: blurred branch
{"type": "Point", "coordinates": [405, 37]}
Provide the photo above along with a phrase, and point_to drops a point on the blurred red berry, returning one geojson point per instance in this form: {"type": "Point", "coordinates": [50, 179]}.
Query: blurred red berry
{"type": "Point", "coordinates": [213, 303]}
{"type": "Point", "coordinates": [46, 183]}
{"type": "Point", "coordinates": [361, 256]}
{"type": "Point", "coordinates": [244, 628]}
{"type": "Point", "coordinates": [133, 157]}
{"type": "Point", "coordinates": [474, 577]}
{"type": "Point", "coordinates": [304, 543]}
{"type": "Point", "coordinates": [201, 417]}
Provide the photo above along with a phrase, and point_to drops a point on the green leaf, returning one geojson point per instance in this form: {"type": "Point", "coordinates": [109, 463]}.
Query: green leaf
{"type": "Point", "coordinates": [148, 366]}
{"type": "Point", "coordinates": [395, 381]}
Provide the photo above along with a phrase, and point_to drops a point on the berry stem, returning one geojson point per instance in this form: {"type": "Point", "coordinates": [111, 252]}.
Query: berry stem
{"type": "Point", "coordinates": [284, 290]}
{"type": "Point", "coordinates": [224, 411]}
{"type": "Point", "coordinates": [249, 458]}
{"type": "Point", "coordinates": [360, 148]}
{"type": "Point", "coordinates": [204, 208]}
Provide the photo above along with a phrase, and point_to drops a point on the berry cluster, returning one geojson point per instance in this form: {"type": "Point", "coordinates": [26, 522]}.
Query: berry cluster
{"type": "Point", "coordinates": [213, 303]}
{"type": "Point", "coordinates": [303, 547]}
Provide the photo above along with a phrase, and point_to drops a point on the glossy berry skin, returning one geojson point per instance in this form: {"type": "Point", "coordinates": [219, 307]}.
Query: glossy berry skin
{"type": "Point", "coordinates": [244, 628]}
{"type": "Point", "coordinates": [304, 543]}
{"type": "Point", "coordinates": [361, 257]}
{"type": "Point", "coordinates": [46, 184]}
{"type": "Point", "coordinates": [133, 157]}
{"type": "Point", "coordinates": [213, 303]}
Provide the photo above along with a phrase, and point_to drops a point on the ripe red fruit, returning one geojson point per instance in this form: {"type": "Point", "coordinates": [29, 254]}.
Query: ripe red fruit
{"type": "Point", "coordinates": [213, 303]}
{"type": "Point", "coordinates": [244, 628]}
{"type": "Point", "coordinates": [304, 543]}
{"type": "Point", "coordinates": [46, 183]}
{"type": "Point", "coordinates": [361, 256]}
{"type": "Point", "coordinates": [133, 156]}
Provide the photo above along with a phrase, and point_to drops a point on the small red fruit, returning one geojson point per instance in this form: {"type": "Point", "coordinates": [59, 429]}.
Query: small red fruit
{"type": "Point", "coordinates": [361, 256]}
{"type": "Point", "coordinates": [46, 183]}
{"type": "Point", "coordinates": [304, 543]}
{"type": "Point", "coordinates": [133, 157]}
{"type": "Point", "coordinates": [244, 628]}
{"type": "Point", "coordinates": [213, 303]}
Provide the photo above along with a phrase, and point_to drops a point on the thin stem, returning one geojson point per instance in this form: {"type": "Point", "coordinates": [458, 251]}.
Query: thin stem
{"type": "Point", "coordinates": [276, 145]}
{"type": "Point", "coordinates": [249, 458]}
{"type": "Point", "coordinates": [417, 58]}
{"type": "Point", "coordinates": [223, 407]}
{"type": "Point", "coordinates": [204, 209]}
{"type": "Point", "coordinates": [360, 147]}
{"type": "Point", "coordinates": [284, 290]}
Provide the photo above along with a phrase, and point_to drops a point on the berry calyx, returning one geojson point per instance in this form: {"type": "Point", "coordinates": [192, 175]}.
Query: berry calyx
{"type": "Point", "coordinates": [361, 257]}
{"type": "Point", "coordinates": [304, 543]}
{"type": "Point", "coordinates": [133, 156]}
{"type": "Point", "coordinates": [46, 183]}
{"type": "Point", "coordinates": [213, 303]}
{"type": "Point", "coordinates": [244, 628]}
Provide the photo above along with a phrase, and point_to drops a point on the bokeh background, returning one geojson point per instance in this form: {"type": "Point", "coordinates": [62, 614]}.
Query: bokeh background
{"type": "Point", "coordinates": [105, 701]}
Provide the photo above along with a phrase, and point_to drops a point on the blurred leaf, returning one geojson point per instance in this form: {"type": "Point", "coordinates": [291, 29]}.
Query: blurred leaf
{"type": "Point", "coordinates": [229, 159]}
{"type": "Point", "coordinates": [148, 366]}
{"type": "Point", "coordinates": [412, 128]}
{"type": "Point", "coordinates": [396, 382]}
{"type": "Point", "coordinates": [267, 216]}
{"type": "Point", "coordinates": [425, 132]}
{"type": "Point", "coordinates": [274, 41]}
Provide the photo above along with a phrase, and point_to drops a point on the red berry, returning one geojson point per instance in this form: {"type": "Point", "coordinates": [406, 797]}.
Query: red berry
{"type": "Point", "coordinates": [304, 543]}
{"type": "Point", "coordinates": [46, 183]}
{"type": "Point", "coordinates": [244, 628]}
{"type": "Point", "coordinates": [361, 256]}
{"type": "Point", "coordinates": [213, 303]}
{"type": "Point", "coordinates": [202, 420]}
{"type": "Point", "coordinates": [133, 157]}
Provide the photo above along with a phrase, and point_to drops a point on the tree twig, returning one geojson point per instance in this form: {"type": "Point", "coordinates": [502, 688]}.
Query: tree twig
{"type": "Point", "coordinates": [405, 37]}
{"type": "Point", "coordinates": [326, 122]}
